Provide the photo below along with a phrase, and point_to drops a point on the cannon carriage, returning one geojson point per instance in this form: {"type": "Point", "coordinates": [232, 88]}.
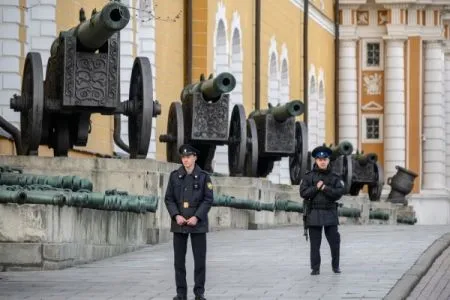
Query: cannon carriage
{"type": "Point", "coordinates": [357, 170]}
{"type": "Point", "coordinates": [367, 171]}
{"type": "Point", "coordinates": [202, 119]}
{"type": "Point", "coordinates": [272, 134]}
{"type": "Point", "coordinates": [82, 78]}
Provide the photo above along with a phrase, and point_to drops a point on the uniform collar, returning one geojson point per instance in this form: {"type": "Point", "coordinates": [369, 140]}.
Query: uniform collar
{"type": "Point", "coordinates": [182, 172]}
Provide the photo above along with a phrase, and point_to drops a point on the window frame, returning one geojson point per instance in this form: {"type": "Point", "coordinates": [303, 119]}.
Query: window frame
{"type": "Point", "coordinates": [367, 140]}
{"type": "Point", "coordinates": [364, 55]}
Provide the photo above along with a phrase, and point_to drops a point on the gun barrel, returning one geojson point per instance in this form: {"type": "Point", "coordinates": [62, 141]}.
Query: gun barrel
{"type": "Point", "coordinates": [213, 88]}
{"type": "Point", "coordinates": [343, 148]}
{"type": "Point", "coordinates": [290, 109]}
{"type": "Point", "coordinates": [282, 112]}
{"type": "Point", "coordinates": [95, 32]}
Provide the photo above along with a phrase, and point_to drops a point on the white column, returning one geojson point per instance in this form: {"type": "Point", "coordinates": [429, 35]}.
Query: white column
{"type": "Point", "coordinates": [41, 28]}
{"type": "Point", "coordinates": [434, 119]}
{"type": "Point", "coordinates": [10, 77]}
{"type": "Point", "coordinates": [394, 108]}
{"type": "Point", "coordinates": [348, 93]}
{"type": "Point", "coordinates": [447, 113]}
{"type": "Point", "coordinates": [147, 48]}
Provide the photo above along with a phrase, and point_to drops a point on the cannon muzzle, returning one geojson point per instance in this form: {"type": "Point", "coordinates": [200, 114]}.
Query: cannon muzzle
{"type": "Point", "coordinates": [212, 88]}
{"type": "Point", "coordinates": [93, 33]}
{"type": "Point", "coordinates": [282, 112]}
{"type": "Point", "coordinates": [343, 148]}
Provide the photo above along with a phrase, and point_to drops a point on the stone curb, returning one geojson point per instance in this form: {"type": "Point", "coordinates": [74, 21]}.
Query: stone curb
{"type": "Point", "coordinates": [411, 278]}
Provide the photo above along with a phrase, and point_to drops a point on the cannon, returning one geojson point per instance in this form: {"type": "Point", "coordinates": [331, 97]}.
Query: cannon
{"type": "Point", "coordinates": [366, 170]}
{"type": "Point", "coordinates": [272, 134]}
{"type": "Point", "coordinates": [341, 162]}
{"type": "Point", "coordinates": [83, 77]}
{"type": "Point", "coordinates": [202, 120]}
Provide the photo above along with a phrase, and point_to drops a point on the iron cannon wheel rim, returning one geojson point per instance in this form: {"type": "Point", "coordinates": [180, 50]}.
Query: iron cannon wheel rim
{"type": "Point", "coordinates": [175, 128]}
{"type": "Point", "coordinates": [238, 140]}
{"type": "Point", "coordinates": [376, 189]}
{"type": "Point", "coordinates": [140, 120]}
{"type": "Point", "coordinates": [298, 163]}
{"type": "Point", "coordinates": [251, 157]}
{"type": "Point", "coordinates": [33, 93]}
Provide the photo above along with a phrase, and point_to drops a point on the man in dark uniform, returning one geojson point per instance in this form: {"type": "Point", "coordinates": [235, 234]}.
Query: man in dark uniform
{"type": "Point", "coordinates": [188, 199]}
{"type": "Point", "coordinates": [321, 188]}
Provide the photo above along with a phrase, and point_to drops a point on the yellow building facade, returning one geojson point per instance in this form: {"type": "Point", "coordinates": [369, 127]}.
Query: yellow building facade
{"type": "Point", "coordinates": [222, 38]}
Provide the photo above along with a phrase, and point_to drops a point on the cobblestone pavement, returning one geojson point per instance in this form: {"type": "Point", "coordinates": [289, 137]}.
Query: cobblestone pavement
{"type": "Point", "coordinates": [436, 283]}
{"type": "Point", "coordinates": [242, 264]}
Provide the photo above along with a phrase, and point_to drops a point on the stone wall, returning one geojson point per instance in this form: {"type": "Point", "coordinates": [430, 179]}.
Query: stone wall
{"type": "Point", "coordinates": [47, 237]}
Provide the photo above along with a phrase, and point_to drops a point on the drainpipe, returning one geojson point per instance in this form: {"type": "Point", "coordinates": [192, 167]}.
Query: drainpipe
{"type": "Point", "coordinates": [188, 41]}
{"type": "Point", "coordinates": [336, 73]}
{"type": "Point", "coordinates": [14, 132]}
{"type": "Point", "coordinates": [257, 54]}
{"type": "Point", "coordinates": [305, 60]}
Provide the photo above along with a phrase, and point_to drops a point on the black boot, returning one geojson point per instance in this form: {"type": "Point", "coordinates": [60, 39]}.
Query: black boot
{"type": "Point", "coordinates": [337, 270]}
{"type": "Point", "coordinates": [178, 297]}
{"type": "Point", "coordinates": [200, 297]}
{"type": "Point", "coordinates": [315, 272]}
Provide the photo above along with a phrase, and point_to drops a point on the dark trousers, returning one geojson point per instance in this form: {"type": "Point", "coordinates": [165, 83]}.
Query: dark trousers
{"type": "Point", "coordinates": [198, 242]}
{"type": "Point", "coordinates": [334, 240]}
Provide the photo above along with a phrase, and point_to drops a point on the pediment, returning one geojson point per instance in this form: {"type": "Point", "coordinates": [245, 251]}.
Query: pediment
{"type": "Point", "coordinates": [372, 106]}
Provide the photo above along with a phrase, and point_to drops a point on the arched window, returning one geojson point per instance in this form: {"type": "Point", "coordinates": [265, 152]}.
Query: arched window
{"type": "Point", "coordinates": [284, 88]}
{"type": "Point", "coordinates": [221, 64]}
{"type": "Point", "coordinates": [284, 98]}
{"type": "Point", "coordinates": [220, 49]}
{"type": "Point", "coordinates": [236, 67]}
{"type": "Point", "coordinates": [312, 110]}
{"type": "Point", "coordinates": [321, 112]}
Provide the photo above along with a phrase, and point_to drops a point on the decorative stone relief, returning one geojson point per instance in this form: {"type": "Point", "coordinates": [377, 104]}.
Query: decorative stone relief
{"type": "Point", "coordinates": [372, 84]}
{"type": "Point", "coordinates": [362, 17]}
{"type": "Point", "coordinates": [382, 17]}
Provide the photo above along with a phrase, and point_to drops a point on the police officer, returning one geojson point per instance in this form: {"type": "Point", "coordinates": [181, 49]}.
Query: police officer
{"type": "Point", "coordinates": [321, 188]}
{"type": "Point", "coordinates": [188, 199]}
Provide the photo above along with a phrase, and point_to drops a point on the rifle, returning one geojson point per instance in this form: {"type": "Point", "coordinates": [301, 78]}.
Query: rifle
{"type": "Point", "coordinates": [306, 210]}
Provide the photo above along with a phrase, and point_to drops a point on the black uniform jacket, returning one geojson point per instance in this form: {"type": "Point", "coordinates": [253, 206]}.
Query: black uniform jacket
{"type": "Point", "coordinates": [322, 203]}
{"type": "Point", "coordinates": [189, 195]}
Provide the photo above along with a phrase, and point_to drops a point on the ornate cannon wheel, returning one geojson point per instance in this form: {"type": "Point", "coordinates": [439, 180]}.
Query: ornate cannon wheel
{"type": "Point", "coordinates": [298, 163]}
{"type": "Point", "coordinates": [32, 104]}
{"type": "Point", "coordinates": [140, 118]}
{"type": "Point", "coordinates": [237, 144]}
{"type": "Point", "coordinates": [251, 156]}
{"type": "Point", "coordinates": [348, 171]}
{"type": "Point", "coordinates": [175, 132]}
{"type": "Point", "coordinates": [376, 187]}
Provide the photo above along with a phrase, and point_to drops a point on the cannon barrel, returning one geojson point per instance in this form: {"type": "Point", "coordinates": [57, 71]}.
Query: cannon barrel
{"type": "Point", "coordinates": [73, 183]}
{"type": "Point", "coordinates": [93, 33]}
{"type": "Point", "coordinates": [343, 148]}
{"type": "Point", "coordinates": [282, 112]}
{"type": "Point", "coordinates": [212, 88]}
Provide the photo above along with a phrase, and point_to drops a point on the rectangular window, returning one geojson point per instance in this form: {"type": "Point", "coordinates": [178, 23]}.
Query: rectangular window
{"type": "Point", "coordinates": [372, 128]}
{"type": "Point", "coordinates": [373, 55]}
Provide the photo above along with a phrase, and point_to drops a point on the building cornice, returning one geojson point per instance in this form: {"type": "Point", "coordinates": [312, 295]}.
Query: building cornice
{"type": "Point", "coordinates": [317, 15]}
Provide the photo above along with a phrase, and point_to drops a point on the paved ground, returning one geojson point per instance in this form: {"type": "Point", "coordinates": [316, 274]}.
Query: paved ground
{"type": "Point", "coordinates": [436, 283]}
{"type": "Point", "coordinates": [265, 264]}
